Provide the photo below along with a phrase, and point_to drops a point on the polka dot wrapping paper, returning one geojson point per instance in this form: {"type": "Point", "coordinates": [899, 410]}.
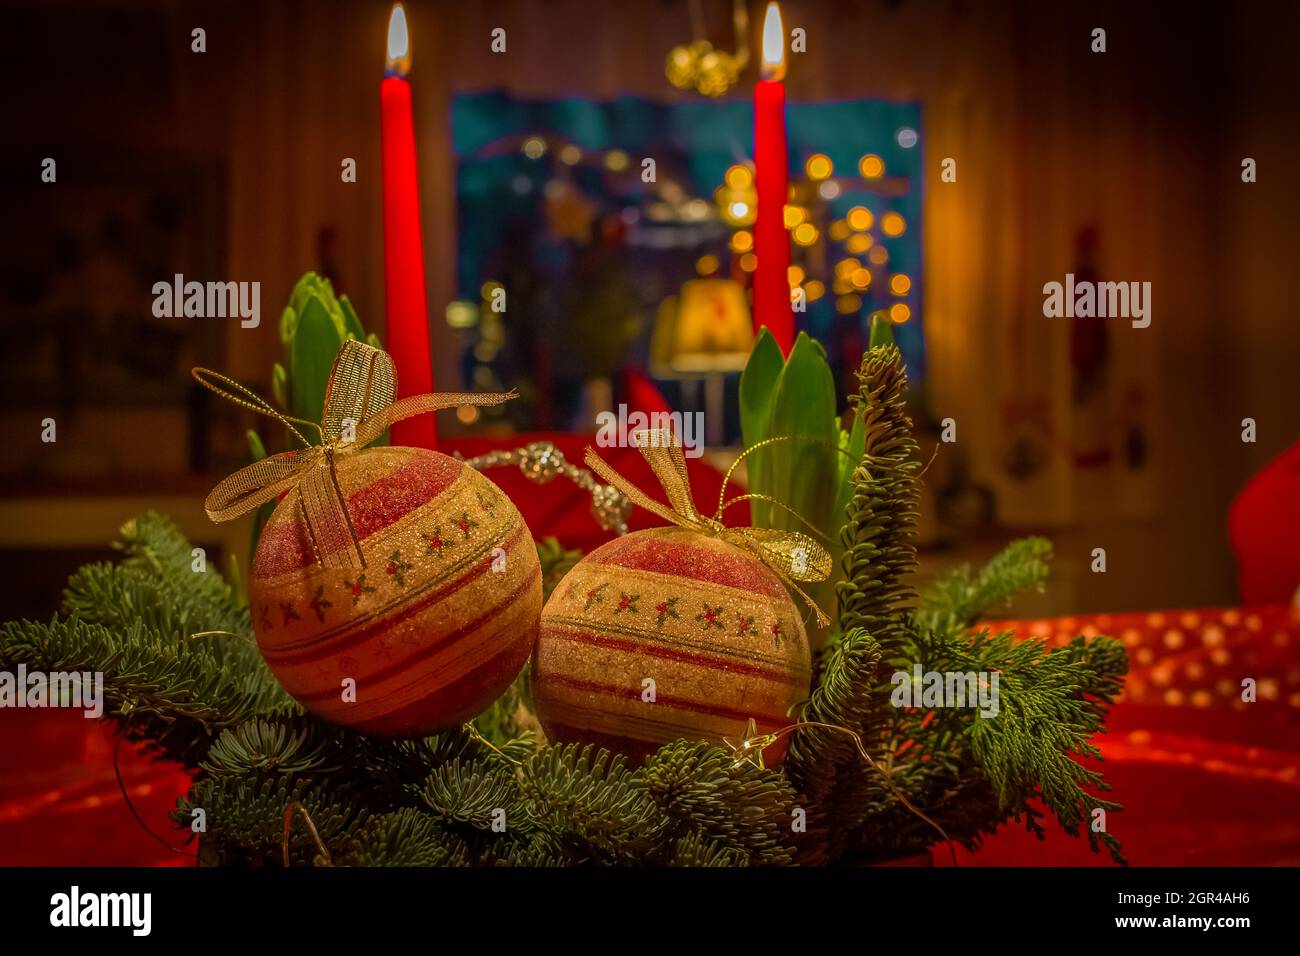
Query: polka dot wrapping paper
{"type": "Point", "coordinates": [1205, 776]}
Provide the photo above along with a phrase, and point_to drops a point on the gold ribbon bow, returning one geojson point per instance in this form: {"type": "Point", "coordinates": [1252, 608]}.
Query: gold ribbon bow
{"type": "Point", "coordinates": [794, 556]}
{"type": "Point", "coordinates": [359, 407]}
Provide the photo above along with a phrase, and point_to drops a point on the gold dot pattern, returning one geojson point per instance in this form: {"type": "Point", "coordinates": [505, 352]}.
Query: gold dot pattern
{"type": "Point", "coordinates": [1192, 676]}
{"type": "Point", "coordinates": [1195, 653]}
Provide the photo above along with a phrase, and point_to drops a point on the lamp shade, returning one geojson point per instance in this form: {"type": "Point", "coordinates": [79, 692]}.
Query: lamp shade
{"type": "Point", "coordinates": [705, 329]}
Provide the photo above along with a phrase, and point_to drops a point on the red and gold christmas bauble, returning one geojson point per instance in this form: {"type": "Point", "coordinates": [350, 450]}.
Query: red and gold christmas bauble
{"type": "Point", "coordinates": [433, 628]}
{"type": "Point", "coordinates": [664, 634]}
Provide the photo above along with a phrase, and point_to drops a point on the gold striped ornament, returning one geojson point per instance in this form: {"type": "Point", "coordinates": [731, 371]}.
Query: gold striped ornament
{"type": "Point", "coordinates": [679, 632]}
{"type": "Point", "coordinates": [435, 626]}
{"type": "Point", "coordinates": [393, 590]}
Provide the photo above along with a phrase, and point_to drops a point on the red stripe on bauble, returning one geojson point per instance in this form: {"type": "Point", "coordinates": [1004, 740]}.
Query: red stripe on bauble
{"type": "Point", "coordinates": [661, 551]}
{"type": "Point", "coordinates": [443, 641]}
{"type": "Point", "coordinates": [285, 547]}
{"type": "Point", "coordinates": [455, 703]}
{"type": "Point", "coordinates": [314, 647]}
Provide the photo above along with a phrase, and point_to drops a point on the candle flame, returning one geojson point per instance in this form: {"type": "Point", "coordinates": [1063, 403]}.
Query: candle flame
{"type": "Point", "coordinates": [399, 43]}
{"type": "Point", "coordinates": [773, 64]}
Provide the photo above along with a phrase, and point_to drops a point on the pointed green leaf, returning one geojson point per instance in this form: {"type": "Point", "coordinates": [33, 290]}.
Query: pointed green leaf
{"type": "Point", "coordinates": [288, 325]}
{"type": "Point", "coordinates": [311, 358]}
{"type": "Point", "coordinates": [804, 410]}
{"type": "Point", "coordinates": [757, 391]}
{"type": "Point", "coordinates": [255, 446]}
{"type": "Point", "coordinates": [854, 444]}
{"type": "Point", "coordinates": [804, 470]}
{"type": "Point", "coordinates": [351, 323]}
{"type": "Point", "coordinates": [307, 287]}
{"type": "Point", "coordinates": [280, 385]}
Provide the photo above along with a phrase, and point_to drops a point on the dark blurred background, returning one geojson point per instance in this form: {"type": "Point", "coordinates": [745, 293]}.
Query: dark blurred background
{"type": "Point", "coordinates": [225, 165]}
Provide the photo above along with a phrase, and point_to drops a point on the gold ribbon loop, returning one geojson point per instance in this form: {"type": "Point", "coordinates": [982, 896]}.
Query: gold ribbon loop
{"type": "Point", "coordinates": [792, 555]}
{"type": "Point", "coordinates": [362, 384]}
{"type": "Point", "coordinates": [359, 407]}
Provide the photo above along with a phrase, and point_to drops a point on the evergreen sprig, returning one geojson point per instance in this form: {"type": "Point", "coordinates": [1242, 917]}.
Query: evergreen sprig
{"type": "Point", "coordinates": [960, 598]}
{"type": "Point", "coordinates": [741, 813]}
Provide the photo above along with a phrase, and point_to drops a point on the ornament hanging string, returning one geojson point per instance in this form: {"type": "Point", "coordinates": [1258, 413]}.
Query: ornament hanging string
{"type": "Point", "coordinates": [293, 810]}
{"type": "Point", "coordinates": [359, 407]}
{"type": "Point", "coordinates": [794, 556]}
{"type": "Point", "coordinates": [724, 502]}
{"type": "Point", "coordinates": [127, 710]}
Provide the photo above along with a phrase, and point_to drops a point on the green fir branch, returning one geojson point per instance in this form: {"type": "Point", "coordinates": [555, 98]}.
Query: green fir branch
{"type": "Point", "coordinates": [592, 803]}
{"type": "Point", "coordinates": [741, 809]}
{"type": "Point", "coordinates": [879, 553]}
{"type": "Point", "coordinates": [406, 837]}
{"type": "Point", "coordinates": [960, 598]}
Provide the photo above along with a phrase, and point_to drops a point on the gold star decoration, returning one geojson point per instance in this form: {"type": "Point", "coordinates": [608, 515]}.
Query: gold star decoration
{"type": "Point", "coordinates": [749, 749]}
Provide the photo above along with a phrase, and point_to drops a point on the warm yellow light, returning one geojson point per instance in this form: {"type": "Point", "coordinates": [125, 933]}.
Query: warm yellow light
{"type": "Point", "coordinates": [805, 234]}
{"type": "Point", "coordinates": [794, 215]}
{"type": "Point", "coordinates": [742, 241]}
{"type": "Point", "coordinates": [859, 243]}
{"type": "Point", "coordinates": [616, 160]}
{"type": "Point", "coordinates": [900, 284]}
{"type": "Point", "coordinates": [899, 313]}
{"type": "Point", "coordinates": [839, 230]}
{"type": "Point", "coordinates": [818, 166]}
{"type": "Point", "coordinates": [795, 275]}
{"type": "Point", "coordinates": [462, 314]}
{"type": "Point", "coordinates": [706, 264]}
{"type": "Point", "coordinates": [399, 42]}
{"type": "Point", "coordinates": [534, 147]}
{"type": "Point", "coordinates": [736, 212]}
{"type": "Point", "coordinates": [773, 65]}
{"type": "Point", "coordinates": [739, 177]}
{"type": "Point", "coordinates": [848, 304]}
{"type": "Point", "coordinates": [878, 255]}
{"type": "Point", "coordinates": [749, 262]}
{"type": "Point", "coordinates": [861, 278]}
{"type": "Point", "coordinates": [893, 224]}
{"type": "Point", "coordinates": [841, 285]}
{"type": "Point", "coordinates": [846, 266]}
{"type": "Point", "coordinates": [815, 289]}
{"type": "Point", "coordinates": [871, 166]}
{"type": "Point", "coordinates": [860, 218]}
{"type": "Point", "coordinates": [488, 288]}
{"type": "Point", "coordinates": [570, 155]}
{"type": "Point", "coordinates": [467, 414]}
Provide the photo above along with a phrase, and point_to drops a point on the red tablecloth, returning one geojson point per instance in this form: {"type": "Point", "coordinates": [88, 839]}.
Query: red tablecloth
{"type": "Point", "coordinates": [1205, 778]}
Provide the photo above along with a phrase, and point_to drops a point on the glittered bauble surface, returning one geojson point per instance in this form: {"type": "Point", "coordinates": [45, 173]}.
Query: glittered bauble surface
{"type": "Point", "coordinates": [706, 621]}
{"type": "Point", "coordinates": [435, 626]}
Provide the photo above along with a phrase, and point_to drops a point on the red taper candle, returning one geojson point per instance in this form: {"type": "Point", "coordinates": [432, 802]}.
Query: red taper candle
{"type": "Point", "coordinates": [404, 294]}
{"type": "Point", "coordinates": [772, 184]}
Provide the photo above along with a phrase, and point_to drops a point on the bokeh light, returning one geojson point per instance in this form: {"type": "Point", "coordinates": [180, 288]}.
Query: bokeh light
{"type": "Point", "coordinates": [871, 166]}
